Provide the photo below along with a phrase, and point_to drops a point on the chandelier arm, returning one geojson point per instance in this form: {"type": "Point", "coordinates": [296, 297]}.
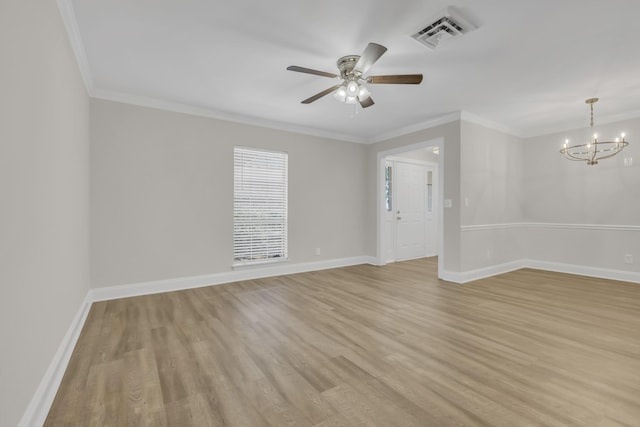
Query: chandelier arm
{"type": "Point", "coordinates": [573, 157]}
{"type": "Point", "coordinates": [609, 155]}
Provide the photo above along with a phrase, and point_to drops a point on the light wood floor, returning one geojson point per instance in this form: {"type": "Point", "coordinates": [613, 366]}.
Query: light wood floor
{"type": "Point", "coordinates": [362, 346]}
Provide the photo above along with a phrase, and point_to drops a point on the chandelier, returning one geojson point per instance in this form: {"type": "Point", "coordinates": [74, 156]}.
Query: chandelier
{"type": "Point", "coordinates": [594, 150]}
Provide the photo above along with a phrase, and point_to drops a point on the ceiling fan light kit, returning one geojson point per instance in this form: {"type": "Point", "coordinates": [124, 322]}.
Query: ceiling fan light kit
{"type": "Point", "coordinates": [595, 149]}
{"type": "Point", "coordinates": [352, 68]}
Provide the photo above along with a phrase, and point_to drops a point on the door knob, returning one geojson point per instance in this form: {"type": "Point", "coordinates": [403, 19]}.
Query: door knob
{"type": "Point", "coordinates": [399, 218]}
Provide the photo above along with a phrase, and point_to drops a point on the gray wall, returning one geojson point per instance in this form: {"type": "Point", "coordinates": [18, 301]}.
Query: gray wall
{"type": "Point", "coordinates": [162, 194]}
{"type": "Point", "coordinates": [491, 188]}
{"type": "Point", "coordinates": [573, 194]}
{"type": "Point", "coordinates": [160, 204]}
{"type": "Point", "coordinates": [520, 199]}
{"type": "Point", "coordinates": [484, 180]}
{"type": "Point", "coordinates": [450, 132]}
{"type": "Point", "coordinates": [44, 183]}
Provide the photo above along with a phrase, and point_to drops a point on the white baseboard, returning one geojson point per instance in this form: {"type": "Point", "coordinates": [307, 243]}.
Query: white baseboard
{"type": "Point", "coordinates": [602, 273]}
{"type": "Point", "coordinates": [480, 273]}
{"type": "Point", "coordinates": [265, 270]}
{"type": "Point", "coordinates": [41, 402]}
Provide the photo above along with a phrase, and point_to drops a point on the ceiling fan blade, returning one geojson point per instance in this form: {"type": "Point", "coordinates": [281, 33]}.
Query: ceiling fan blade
{"type": "Point", "coordinates": [310, 71]}
{"type": "Point", "coordinates": [367, 102]}
{"type": "Point", "coordinates": [320, 95]}
{"type": "Point", "coordinates": [408, 79]}
{"type": "Point", "coordinates": [371, 54]}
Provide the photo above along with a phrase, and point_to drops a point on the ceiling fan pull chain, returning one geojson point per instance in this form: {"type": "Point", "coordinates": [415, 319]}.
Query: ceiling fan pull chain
{"type": "Point", "coordinates": [355, 110]}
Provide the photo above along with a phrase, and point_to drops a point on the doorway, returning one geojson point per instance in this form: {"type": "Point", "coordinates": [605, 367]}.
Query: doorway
{"type": "Point", "coordinates": [410, 189]}
{"type": "Point", "coordinates": [410, 219]}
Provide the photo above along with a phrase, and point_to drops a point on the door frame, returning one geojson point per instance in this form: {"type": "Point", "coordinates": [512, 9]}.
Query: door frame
{"type": "Point", "coordinates": [394, 160]}
{"type": "Point", "coordinates": [380, 164]}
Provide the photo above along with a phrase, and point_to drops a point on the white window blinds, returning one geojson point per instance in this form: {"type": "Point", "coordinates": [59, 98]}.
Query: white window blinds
{"type": "Point", "coordinates": [259, 206]}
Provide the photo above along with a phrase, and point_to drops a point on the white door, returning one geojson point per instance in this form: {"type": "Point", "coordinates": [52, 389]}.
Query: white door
{"type": "Point", "coordinates": [410, 210]}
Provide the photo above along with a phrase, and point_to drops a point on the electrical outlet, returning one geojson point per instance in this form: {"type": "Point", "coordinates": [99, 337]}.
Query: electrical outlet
{"type": "Point", "coordinates": [628, 259]}
{"type": "Point", "coordinates": [318, 251]}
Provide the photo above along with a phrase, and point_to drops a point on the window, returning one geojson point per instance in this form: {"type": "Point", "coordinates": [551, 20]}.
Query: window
{"type": "Point", "coordinates": [388, 185]}
{"type": "Point", "coordinates": [259, 206]}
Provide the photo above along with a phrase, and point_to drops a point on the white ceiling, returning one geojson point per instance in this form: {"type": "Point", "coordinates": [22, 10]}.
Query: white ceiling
{"type": "Point", "coordinates": [528, 67]}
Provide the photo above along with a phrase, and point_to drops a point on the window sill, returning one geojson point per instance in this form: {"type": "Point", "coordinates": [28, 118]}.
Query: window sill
{"type": "Point", "coordinates": [249, 264]}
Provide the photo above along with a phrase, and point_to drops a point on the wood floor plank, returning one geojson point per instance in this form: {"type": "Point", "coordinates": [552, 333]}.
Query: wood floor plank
{"type": "Point", "coordinates": [192, 411]}
{"type": "Point", "coordinates": [362, 346]}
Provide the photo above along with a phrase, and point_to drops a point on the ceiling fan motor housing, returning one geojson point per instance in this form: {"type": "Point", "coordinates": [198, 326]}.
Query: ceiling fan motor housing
{"type": "Point", "coordinates": [346, 64]}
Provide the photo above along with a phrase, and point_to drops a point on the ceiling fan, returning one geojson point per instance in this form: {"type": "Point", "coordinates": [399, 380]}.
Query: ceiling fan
{"type": "Point", "coordinates": [352, 70]}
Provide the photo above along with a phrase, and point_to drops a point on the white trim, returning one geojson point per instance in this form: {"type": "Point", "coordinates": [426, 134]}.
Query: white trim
{"type": "Point", "coordinates": [41, 402]}
{"type": "Point", "coordinates": [609, 227]}
{"type": "Point", "coordinates": [480, 273]}
{"type": "Point", "coordinates": [380, 165]}
{"type": "Point", "coordinates": [71, 24]}
{"type": "Point", "coordinates": [410, 161]}
{"type": "Point", "coordinates": [491, 226]}
{"type": "Point", "coordinates": [181, 283]}
{"type": "Point", "coordinates": [602, 120]}
{"type": "Point", "coordinates": [582, 270]}
{"type": "Point", "coordinates": [176, 107]}
{"type": "Point", "coordinates": [442, 120]}
{"type": "Point", "coordinates": [73, 32]}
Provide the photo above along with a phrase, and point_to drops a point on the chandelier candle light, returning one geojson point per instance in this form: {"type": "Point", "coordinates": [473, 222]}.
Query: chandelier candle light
{"type": "Point", "coordinates": [595, 150]}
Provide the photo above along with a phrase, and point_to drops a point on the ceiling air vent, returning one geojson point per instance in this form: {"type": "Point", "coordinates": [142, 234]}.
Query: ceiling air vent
{"type": "Point", "coordinates": [449, 24]}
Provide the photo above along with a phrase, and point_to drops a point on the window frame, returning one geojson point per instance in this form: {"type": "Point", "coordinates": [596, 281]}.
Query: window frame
{"type": "Point", "coordinates": [265, 185]}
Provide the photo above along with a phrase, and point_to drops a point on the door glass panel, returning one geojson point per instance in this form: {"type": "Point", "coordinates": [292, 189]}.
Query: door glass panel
{"type": "Point", "coordinates": [388, 174]}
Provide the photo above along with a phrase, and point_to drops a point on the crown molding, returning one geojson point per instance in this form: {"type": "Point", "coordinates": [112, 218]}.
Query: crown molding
{"type": "Point", "coordinates": [73, 32]}
{"type": "Point", "coordinates": [604, 120]}
{"type": "Point", "coordinates": [288, 127]}
{"type": "Point", "coordinates": [406, 130]}
{"type": "Point", "coordinates": [177, 107]}
{"type": "Point", "coordinates": [447, 118]}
